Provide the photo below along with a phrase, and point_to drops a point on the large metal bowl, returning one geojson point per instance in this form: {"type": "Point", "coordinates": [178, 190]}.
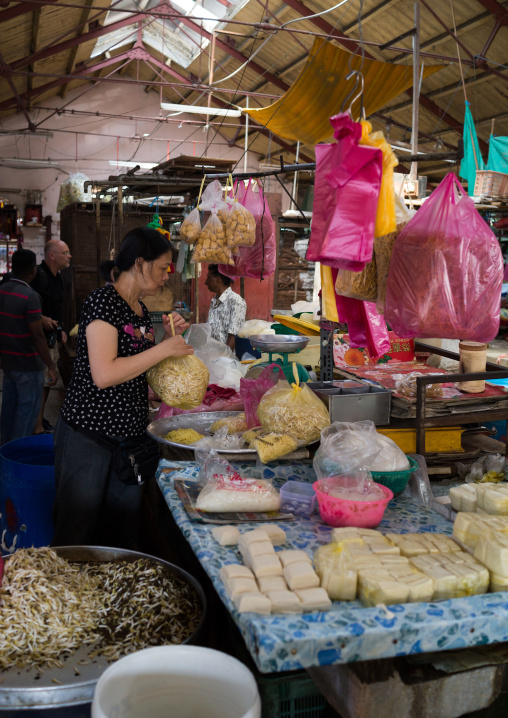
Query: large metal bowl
{"type": "Point", "coordinates": [278, 343]}
{"type": "Point", "coordinates": [200, 422]}
{"type": "Point", "coordinates": [29, 689]}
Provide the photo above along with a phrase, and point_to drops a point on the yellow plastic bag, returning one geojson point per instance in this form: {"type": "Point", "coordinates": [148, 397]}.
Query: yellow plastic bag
{"type": "Point", "coordinates": [358, 285]}
{"type": "Point", "coordinates": [385, 217]}
{"type": "Point", "coordinates": [294, 410]}
{"type": "Point", "coordinates": [179, 381]}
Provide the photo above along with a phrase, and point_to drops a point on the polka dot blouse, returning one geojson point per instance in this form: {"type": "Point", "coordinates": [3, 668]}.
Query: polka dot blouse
{"type": "Point", "coordinates": [120, 410]}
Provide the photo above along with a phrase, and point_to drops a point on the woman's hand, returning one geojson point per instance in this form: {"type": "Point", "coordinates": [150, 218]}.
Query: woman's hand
{"type": "Point", "coordinates": [176, 347]}
{"type": "Point", "coordinates": [179, 324]}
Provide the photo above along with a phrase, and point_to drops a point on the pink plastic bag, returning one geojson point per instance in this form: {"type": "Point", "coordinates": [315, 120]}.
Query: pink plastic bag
{"type": "Point", "coordinates": [446, 271]}
{"type": "Point", "coordinates": [346, 192]}
{"type": "Point", "coordinates": [259, 260]}
{"type": "Point", "coordinates": [253, 390]}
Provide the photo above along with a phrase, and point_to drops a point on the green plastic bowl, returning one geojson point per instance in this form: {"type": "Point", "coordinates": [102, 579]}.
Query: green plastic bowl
{"type": "Point", "coordinates": [395, 480]}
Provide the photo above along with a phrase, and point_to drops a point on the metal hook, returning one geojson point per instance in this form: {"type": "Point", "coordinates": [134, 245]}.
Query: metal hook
{"type": "Point", "coordinates": [359, 79]}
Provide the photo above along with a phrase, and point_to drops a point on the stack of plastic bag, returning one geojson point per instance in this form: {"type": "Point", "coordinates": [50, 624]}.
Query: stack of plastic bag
{"type": "Point", "coordinates": [225, 369]}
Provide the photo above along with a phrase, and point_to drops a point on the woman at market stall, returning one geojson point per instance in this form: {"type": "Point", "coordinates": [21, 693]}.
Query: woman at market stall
{"type": "Point", "coordinates": [108, 396]}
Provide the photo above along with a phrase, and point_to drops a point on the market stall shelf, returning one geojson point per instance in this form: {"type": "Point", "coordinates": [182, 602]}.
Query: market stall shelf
{"type": "Point", "coordinates": [349, 632]}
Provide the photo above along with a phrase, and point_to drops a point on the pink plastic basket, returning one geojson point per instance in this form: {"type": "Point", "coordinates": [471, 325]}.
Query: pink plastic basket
{"type": "Point", "coordinates": [341, 512]}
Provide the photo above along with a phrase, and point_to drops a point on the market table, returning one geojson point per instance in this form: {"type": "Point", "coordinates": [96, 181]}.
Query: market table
{"type": "Point", "coordinates": [349, 632]}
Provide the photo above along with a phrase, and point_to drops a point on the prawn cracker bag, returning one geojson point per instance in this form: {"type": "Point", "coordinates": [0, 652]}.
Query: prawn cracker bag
{"type": "Point", "coordinates": [180, 382]}
{"type": "Point", "coordinates": [191, 227]}
{"type": "Point", "coordinates": [294, 410]}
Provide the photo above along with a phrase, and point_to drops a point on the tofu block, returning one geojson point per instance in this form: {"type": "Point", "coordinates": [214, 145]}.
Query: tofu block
{"type": "Point", "coordinates": [381, 545]}
{"type": "Point", "coordinates": [463, 497]}
{"type": "Point", "coordinates": [418, 544]}
{"type": "Point", "coordinates": [498, 583]}
{"type": "Point", "coordinates": [337, 577]}
{"type": "Point", "coordinates": [492, 498]}
{"type": "Point", "coordinates": [226, 535]}
{"type": "Point", "coordinates": [380, 587]}
{"type": "Point", "coordinates": [347, 532]}
{"type": "Point", "coordinates": [293, 556]}
{"type": "Point", "coordinates": [236, 586]}
{"type": "Point", "coordinates": [468, 527]}
{"type": "Point", "coordinates": [284, 602]}
{"type": "Point", "coordinates": [235, 570]}
{"type": "Point", "coordinates": [492, 550]}
{"type": "Point", "coordinates": [272, 583]}
{"type": "Point", "coordinates": [266, 565]}
{"type": "Point", "coordinates": [276, 535]}
{"type": "Point", "coordinates": [301, 575]}
{"type": "Point", "coordinates": [253, 602]}
{"type": "Point", "coordinates": [253, 536]}
{"type": "Point", "coordinates": [256, 549]}
{"type": "Point", "coordinates": [314, 599]}
{"type": "Point", "coordinates": [454, 574]}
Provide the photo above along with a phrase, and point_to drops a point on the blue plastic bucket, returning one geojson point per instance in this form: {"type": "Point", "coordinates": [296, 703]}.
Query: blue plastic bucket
{"type": "Point", "coordinates": [27, 492]}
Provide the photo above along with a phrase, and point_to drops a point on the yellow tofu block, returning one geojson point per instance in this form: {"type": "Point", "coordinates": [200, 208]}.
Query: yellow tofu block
{"type": "Point", "coordinates": [468, 527]}
{"type": "Point", "coordinates": [492, 550]}
{"type": "Point", "coordinates": [336, 576]}
{"type": "Point", "coordinates": [498, 583]}
{"type": "Point", "coordinates": [418, 544]}
{"type": "Point", "coordinates": [380, 588]}
{"type": "Point", "coordinates": [454, 574]}
{"type": "Point", "coordinates": [493, 498]}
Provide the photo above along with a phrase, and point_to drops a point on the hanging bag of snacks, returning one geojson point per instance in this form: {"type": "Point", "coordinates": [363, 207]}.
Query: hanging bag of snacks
{"type": "Point", "coordinates": [190, 228]}
{"type": "Point", "coordinates": [358, 285]}
{"type": "Point", "coordinates": [211, 245]}
{"type": "Point", "coordinates": [240, 227]}
{"type": "Point", "coordinates": [446, 271]}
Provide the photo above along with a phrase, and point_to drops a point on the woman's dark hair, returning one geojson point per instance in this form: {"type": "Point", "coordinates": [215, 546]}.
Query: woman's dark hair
{"type": "Point", "coordinates": [214, 271]}
{"type": "Point", "coordinates": [141, 242]}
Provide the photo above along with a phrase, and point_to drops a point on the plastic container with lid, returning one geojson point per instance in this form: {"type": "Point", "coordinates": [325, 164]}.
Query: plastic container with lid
{"type": "Point", "coordinates": [298, 497]}
{"type": "Point", "coordinates": [473, 359]}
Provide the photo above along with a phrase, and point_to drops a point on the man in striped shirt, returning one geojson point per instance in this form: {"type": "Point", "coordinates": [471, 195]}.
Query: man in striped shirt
{"type": "Point", "coordinates": [23, 350]}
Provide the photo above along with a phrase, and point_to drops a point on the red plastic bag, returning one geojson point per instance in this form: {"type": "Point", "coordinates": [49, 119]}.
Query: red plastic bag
{"type": "Point", "coordinates": [346, 192]}
{"type": "Point", "coordinates": [253, 390]}
{"type": "Point", "coordinates": [446, 271]}
{"type": "Point", "coordinates": [259, 260]}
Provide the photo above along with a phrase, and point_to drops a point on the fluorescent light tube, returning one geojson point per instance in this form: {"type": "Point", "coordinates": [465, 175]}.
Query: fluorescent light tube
{"type": "Point", "coordinates": [180, 109]}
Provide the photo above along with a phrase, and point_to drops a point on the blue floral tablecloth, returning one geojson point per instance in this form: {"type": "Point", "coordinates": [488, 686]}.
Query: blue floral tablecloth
{"type": "Point", "coordinates": [348, 632]}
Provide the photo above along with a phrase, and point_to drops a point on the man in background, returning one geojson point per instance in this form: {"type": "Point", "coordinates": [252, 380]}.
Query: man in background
{"type": "Point", "coordinates": [23, 350]}
{"type": "Point", "coordinates": [48, 284]}
{"type": "Point", "coordinates": [227, 310]}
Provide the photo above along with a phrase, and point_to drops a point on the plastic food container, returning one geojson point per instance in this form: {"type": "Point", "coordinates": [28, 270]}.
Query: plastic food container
{"type": "Point", "coordinates": [298, 497]}
{"type": "Point", "coordinates": [342, 512]}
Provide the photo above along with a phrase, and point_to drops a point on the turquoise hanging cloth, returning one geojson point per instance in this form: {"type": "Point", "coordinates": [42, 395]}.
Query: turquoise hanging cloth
{"type": "Point", "coordinates": [498, 154]}
{"type": "Point", "coordinates": [468, 164]}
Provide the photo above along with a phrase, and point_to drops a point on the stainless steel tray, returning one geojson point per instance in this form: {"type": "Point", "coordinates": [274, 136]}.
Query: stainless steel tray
{"type": "Point", "coordinates": [199, 422]}
{"type": "Point", "coordinates": [274, 344]}
{"type": "Point", "coordinates": [29, 689]}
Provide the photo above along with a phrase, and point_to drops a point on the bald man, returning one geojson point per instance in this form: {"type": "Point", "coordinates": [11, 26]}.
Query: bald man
{"type": "Point", "coordinates": [49, 285]}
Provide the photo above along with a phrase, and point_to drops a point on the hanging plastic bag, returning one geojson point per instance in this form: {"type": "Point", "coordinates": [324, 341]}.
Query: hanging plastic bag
{"type": "Point", "coordinates": [240, 227]}
{"type": "Point", "coordinates": [385, 214]}
{"type": "Point", "coordinates": [259, 260]}
{"type": "Point", "coordinates": [294, 410]}
{"type": "Point", "coordinates": [73, 190]}
{"type": "Point", "coordinates": [253, 390]}
{"type": "Point", "coordinates": [358, 285]}
{"type": "Point", "coordinates": [190, 228]}
{"type": "Point", "coordinates": [211, 244]}
{"type": "Point", "coordinates": [446, 271]}
{"type": "Point", "coordinates": [348, 178]}
{"type": "Point", "coordinates": [179, 381]}
{"type": "Point", "coordinates": [366, 328]}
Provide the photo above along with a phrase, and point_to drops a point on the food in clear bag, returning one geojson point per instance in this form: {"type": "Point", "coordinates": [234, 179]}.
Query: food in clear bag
{"type": "Point", "coordinates": [405, 385]}
{"type": "Point", "coordinates": [225, 490]}
{"type": "Point", "coordinates": [390, 456]}
{"type": "Point", "coordinates": [358, 285]}
{"type": "Point", "coordinates": [221, 440]}
{"type": "Point", "coordinates": [294, 410]}
{"type": "Point", "coordinates": [190, 228]}
{"type": "Point", "coordinates": [255, 326]}
{"type": "Point", "coordinates": [211, 244]}
{"type": "Point", "coordinates": [73, 190]}
{"type": "Point", "coordinates": [240, 227]}
{"type": "Point", "coordinates": [272, 446]}
{"type": "Point", "coordinates": [234, 424]}
{"type": "Point", "coordinates": [179, 381]}
{"type": "Point", "coordinates": [446, 271]}
{"type": "Point", "coordinates": [346, 447]}
{"type": "Point", "coordinates": [184, 436]}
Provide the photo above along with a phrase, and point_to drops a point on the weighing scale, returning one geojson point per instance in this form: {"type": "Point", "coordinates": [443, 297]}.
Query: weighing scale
{"type": "Point", "coordinates": [285, 345]}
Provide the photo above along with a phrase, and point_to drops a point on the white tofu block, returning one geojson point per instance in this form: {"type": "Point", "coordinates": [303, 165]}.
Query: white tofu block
{"type": "Point", "coordinates": [498, 583]}
{"type": "Point", "coordinates": [290, 556]}
{"type": "Point", "coordinates": [284, 602]}
{"type": "Point", "coordinates": [492, 550]}
{"type": "Point", "coordinates": [463, 497]}
{"type": "Point", "coordinates": [276, 535]}
{"type": "Point", "coordinates": [236, 586]}
{"type": "Point", "coordinates": [257, 549]}
{"type": "Point", "coordinates": [253, 536]}
{"type": "Point", "coordinates": [235, 570]}
{"type": "Point", "coordinates": [266, 565]}
{"type": "Point", "coordinates": [253, 602]}
{"type": "Point", "coordinates": [301, 575]}
{"type": "Point", "coordinates": [314, 599]}
{"type": "Point", "coordinates": [454, 574]}
{"type": "Point", "coordinates": [226, 535]}
{"type": "Point", "coordinates": [272, 583]}
{"type": "Point", "coordinates": [377, 588]}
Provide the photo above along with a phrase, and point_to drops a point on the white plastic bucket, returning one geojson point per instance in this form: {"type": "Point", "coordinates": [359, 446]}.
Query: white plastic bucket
{"type": "Point", "coordinates": [177, 681]}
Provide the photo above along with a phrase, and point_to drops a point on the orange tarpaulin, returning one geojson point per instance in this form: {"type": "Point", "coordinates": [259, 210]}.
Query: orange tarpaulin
{"type": "Point", "coordinates": [303, 112]}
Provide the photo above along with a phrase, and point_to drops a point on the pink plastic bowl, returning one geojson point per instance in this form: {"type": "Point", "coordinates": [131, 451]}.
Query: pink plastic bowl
{"type": "Point", "coordinates": [341, 512]}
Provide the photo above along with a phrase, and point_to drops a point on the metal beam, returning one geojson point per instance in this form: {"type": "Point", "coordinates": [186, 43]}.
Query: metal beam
{"type": "Point", "coordinates": [480, 60]}
{"type": "Point", "coordinates": [71, 64]}
{"type": "Point", "coordinates": [34, 41]}
{"type": "Point", "coordinates": [18, 99]}
{"type": "Point", "coordinates": [496, 9]}
{"type": "Point", "coordinates": [21, 9]}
